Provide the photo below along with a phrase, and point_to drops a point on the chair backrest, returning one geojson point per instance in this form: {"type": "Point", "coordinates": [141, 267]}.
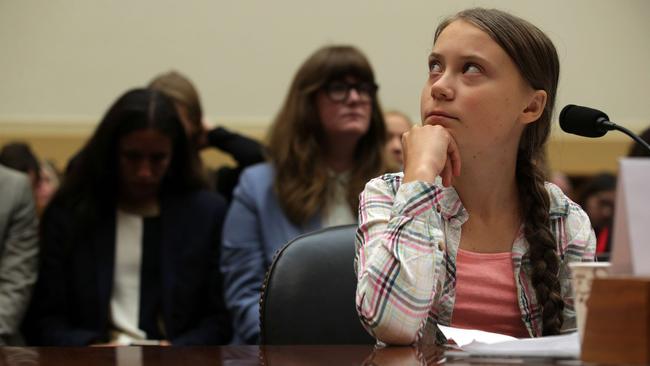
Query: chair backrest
{"type": "Point", "coordinates": [309, 290]}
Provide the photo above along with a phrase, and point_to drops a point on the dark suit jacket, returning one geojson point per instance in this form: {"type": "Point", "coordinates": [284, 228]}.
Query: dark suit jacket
{"type": "Point", "coordinates": [71, 302]}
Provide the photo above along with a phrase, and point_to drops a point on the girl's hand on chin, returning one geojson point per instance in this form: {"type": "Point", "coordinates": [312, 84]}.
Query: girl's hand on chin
{"type": "Point", "coordinates": [430, 151]}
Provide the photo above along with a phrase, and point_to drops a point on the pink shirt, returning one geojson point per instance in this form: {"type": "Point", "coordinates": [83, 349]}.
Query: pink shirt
{"type": "Point", "coordinates": [486, 294]}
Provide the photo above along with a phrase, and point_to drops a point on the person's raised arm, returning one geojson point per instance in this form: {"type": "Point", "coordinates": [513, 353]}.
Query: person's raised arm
{"type": "Point", "coordinates": [244, 150]}
{"type": "Point", "coordinates": [401, 238]}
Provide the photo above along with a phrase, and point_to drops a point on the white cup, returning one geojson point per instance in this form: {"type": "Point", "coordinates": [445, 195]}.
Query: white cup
{"type": "Point", "coordinates": [583, 273]}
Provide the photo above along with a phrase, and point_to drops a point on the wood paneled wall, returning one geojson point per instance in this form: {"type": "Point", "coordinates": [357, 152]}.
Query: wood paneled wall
{"type": "Point", "coordinates": [573, 156]}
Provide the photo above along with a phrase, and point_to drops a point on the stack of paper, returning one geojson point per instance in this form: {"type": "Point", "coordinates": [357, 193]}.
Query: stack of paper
{"type": "Point", "coordinates": [479, 343]}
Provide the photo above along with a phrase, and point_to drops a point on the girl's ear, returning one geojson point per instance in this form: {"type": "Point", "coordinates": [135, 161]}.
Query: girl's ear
{"type": "Point", "coordinates": [535, 107]}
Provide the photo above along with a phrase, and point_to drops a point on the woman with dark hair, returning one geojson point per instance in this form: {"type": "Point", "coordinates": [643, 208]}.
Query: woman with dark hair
{"type": "Point", "coordinates": [19, 156]}
{"type": "Point", "coordinates": [130, 241]}
{"type": "Point", "coordinates": [488, 246]}
{"type": "Point", "coordinates": [325, 143]}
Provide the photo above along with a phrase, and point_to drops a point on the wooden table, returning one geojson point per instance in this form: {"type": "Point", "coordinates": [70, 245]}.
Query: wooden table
{"type": "Point", "coordinates": [238, 356]}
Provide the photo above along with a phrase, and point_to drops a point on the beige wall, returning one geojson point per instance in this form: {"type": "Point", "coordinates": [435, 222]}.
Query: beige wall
{"type": "Point", "coordinates": [63, 62]}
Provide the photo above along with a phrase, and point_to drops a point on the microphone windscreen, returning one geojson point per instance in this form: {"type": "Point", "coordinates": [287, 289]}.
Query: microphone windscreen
{"type": "Point", "coordinates": [583, 121]}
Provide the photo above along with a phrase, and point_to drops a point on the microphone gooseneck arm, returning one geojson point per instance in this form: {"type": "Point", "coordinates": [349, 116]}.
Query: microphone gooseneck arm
{"type": "Point", "coordinates": [636, 138]}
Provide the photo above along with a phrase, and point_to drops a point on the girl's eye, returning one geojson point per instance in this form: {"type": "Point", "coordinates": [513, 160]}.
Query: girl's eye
{"type": "Point", "coordinates": [435, 67]}
{"type": "Point", "coordinates": [471, 69]}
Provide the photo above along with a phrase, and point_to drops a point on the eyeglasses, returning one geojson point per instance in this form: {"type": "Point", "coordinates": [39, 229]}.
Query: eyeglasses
{"type": "Point", "coordinates": [339, 91]}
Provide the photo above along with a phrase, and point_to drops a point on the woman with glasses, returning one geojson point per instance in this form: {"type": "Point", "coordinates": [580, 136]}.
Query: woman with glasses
{"type": "Point", "coordinates": [325, 143]}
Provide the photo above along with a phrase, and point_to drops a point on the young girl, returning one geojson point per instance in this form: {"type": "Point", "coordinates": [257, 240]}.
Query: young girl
{"type": "Point", "coordinates": [489, 248]}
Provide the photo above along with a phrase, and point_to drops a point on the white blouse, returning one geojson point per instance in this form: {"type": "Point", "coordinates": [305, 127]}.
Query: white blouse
{"type": "Point", "coordinates": [125, 297]}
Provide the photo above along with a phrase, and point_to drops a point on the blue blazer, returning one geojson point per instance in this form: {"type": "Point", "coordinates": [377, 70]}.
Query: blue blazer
{"type": "Point", "coordinates": [255, 228]}
{"type": "Point", "coordinates": [72, 297]}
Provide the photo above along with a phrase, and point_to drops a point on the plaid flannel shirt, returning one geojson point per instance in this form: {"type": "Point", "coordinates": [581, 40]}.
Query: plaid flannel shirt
{"type": "Point", "coordinates": [406, 247]}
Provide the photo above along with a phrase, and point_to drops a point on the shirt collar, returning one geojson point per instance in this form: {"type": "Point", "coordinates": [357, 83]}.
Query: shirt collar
{"type": "Point", "coordinates": [449, 204]}
{"type": "Point", "coordinates": [341, 178]}
{"type": "Point", "coordinates": [559, 203]}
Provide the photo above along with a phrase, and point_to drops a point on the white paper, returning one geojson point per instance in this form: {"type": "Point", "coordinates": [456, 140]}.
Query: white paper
{"type": "Point", "coordinates": [631, 252]}
{"type": "Point", "coordinates": [476, 343]}
{"type": "Point", "coordinates": [561, 346]}
{"type": "Point", "coordinates": [466, 336]}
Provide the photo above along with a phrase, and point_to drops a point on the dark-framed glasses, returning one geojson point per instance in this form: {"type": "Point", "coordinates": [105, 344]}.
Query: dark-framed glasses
{"type": "Point", "coordinates": [339, 91]}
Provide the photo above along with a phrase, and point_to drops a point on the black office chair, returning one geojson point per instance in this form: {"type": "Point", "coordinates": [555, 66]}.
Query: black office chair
{"type": "Point", "coordinates": [309, 290]}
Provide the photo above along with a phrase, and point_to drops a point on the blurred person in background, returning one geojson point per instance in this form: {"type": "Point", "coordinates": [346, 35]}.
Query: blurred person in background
{"type": "Point", "coordinates": [130, 242]}
{"type": "Point", "coordinates": [598, 199]}
{"type": "Point", "coordinates": [637, 150]}
{"type": "Point", "coordinates": [326, 142]}
{"type": "Point", "coordinates": [396, 124]}
{"type": "Point", "coordinates": [47, 186]}
{"type": "Point", "coordinates": [244, 151]}
{"type": "Point", "coordinates": [43, 176]}
{"type": "Point", "coordinates": [18, 252]}
{"type": "Point", "coordinates": [19, 156]}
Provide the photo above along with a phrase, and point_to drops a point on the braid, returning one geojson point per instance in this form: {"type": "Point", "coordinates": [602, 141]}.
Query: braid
{"type": "Point", "coordinates": [543, 257]}
{"type": "Point", "coordinates": [537, 60]}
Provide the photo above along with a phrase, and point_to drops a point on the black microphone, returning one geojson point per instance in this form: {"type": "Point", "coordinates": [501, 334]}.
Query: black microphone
{"type": "Point", "coordinates": [584, 121]}
{"type": "Point", "coordinates": [589, 122]}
